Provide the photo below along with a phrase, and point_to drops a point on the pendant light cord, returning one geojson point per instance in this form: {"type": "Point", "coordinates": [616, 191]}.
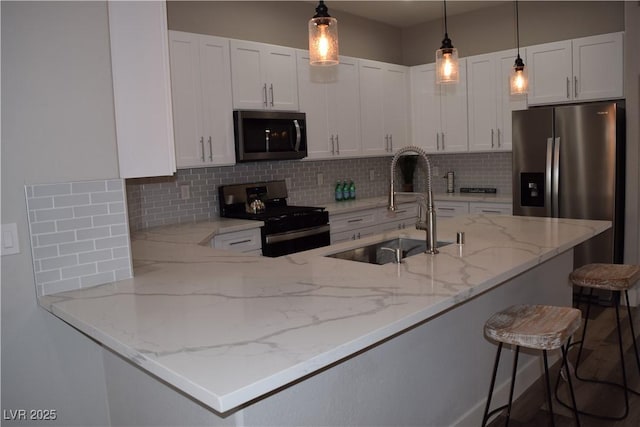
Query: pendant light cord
{"type": "Point", "coordinates": [445, 18]}
{"type": "Point", "coordinates": [517, 29]}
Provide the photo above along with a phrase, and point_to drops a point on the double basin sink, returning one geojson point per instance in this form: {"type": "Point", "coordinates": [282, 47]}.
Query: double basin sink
{"type": "Point", "coordinates": [394, 250]}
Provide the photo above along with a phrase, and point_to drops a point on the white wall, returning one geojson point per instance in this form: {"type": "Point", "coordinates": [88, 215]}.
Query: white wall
{"type": "Point", "coordinates": [57, 126]}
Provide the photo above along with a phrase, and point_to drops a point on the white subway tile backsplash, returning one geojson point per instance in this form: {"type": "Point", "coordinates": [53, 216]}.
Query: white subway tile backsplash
{"type": "Point", "coordinates": [93, 233]}
{"type": "Point", "coordinates": [54, 238]}
{"type": "Point", "coordinates": [71, 200]}
{"type": "Point", "coordinates": [73, 224]}
{"type": "Point", "coordinates": [97, 279]}
{"type": "Point", "coordinates": [74, 227]}
{"type": "Point", "coordinates": [90, 210]}
{"type": "Point", "coordinates": [88, 187]}
{"type": "Point", "coordinates": [53, 214]}
{"type": "Point", "coordinates": [51, 189]}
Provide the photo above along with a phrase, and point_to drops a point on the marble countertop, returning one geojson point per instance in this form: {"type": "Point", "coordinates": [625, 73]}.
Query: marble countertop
{"type": "Point", "coordinates": [226, 328]}
{"type": "Point", "coordinates": [376, 202]}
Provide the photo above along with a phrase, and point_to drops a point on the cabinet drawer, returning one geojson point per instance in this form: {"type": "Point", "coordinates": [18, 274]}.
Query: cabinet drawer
{"type": "Point", "coordinates": [352, 221]}
{"type": "Point", "coordinates": [451, 209]}
{"type": "Point", "coordinates": [240, 241]}
{"type": "Point", "coordinates": [490, 208]}
{"type": "Point", "coordinates": [404, 211]}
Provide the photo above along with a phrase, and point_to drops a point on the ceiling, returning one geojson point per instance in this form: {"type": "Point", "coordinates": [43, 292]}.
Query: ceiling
{"type": "Point", "coordinates": [405, 13]}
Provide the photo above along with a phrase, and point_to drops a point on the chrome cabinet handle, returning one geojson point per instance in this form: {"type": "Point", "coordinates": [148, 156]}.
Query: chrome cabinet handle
{"type": "Point", "coordinates": [239, 242]}
{"type": "Point", "coordinates": [210, 150]}
{"type": "Point", "coordinates": [443, 141]}
{"type": "Point", "coordinates": [386, 142]}
{"type": "Point", "coordinates": [202, 145]}
{"type": "Point", "coordinates": [264, 91]}
{"type": "Point", "coordinates": [354, 220]}
{"type": "Point", "coordinates": [437, 141]}
{"type": "Point", "coordinates": [447, 209]}
{"type": "Point", "coordinates": [498, 130]}
{"type": "Point", "coordinates": [491, 137]}
{"type": "Point", "coordinates": [271, 91]}
{"type": "Point", "coordinates": [489, 211]}
{"type": "Point", "coordinates": [568, 93]}
{"type": "Point", "coordinates": [575, 86]}
{"type": "Point", "coordinates": [333, 146]}
{"type": "Point", "coordinates": [337, 145]}
{"type": "Point", "coordinates": [391, 143]}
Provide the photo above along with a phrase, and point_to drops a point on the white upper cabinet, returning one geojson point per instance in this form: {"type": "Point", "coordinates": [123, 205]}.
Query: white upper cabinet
{"type": "Point", "coordinates": [383, 107]}
{"type": "Point", "coordinates": [142, 88]}
{"type": "Point", "coordinates": [329, 97]}
{"type": "Point", "coordinates": [201, 90]}
{"type": "Point", "coordinates": [489, 102]}
{"type": "Point", "coordinates": [439, 112]}
{"type": "Point", "coordinates": [582, 69]}
{"type": "Point", "coordinates": [264, 76]}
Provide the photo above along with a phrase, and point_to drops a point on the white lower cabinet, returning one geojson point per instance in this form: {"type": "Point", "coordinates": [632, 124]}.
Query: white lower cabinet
{"type": "Point", "coordinates": [246, 241]}
{"type": "Point", "coordinates": [451, 209]}
{"type": "Point", "coordinates": [490, 208]}
{"type": "Point", "coordinates": [364, 223]}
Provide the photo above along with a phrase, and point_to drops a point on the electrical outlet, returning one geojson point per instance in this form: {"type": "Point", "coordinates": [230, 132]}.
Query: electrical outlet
{"type": "Point", "coordinates": [185, 192]}
{"type": "Point", "coordinates": [320, 179]}
{"type": "Point", "coordinates": [372, 175]}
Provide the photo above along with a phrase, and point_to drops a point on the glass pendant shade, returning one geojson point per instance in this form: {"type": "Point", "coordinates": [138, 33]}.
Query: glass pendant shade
{"type": "Point", "coordinates": [323, 38]}
{"type": "Point", "coordinates": [518, 79]}
{"type": "Point", "coordinates": [447, 66]}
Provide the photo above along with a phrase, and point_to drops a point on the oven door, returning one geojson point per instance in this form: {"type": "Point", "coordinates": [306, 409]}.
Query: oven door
{"type": "Point", "coordinates": [274, 245]}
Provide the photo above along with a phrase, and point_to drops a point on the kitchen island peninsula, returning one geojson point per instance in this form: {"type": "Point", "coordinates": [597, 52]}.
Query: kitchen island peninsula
{"type": "Point", "coordinates": [306, 339]}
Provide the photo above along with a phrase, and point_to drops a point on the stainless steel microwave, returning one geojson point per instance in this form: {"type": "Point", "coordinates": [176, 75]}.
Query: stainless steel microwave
{"type": "Point", "coordinates": [269, 135]}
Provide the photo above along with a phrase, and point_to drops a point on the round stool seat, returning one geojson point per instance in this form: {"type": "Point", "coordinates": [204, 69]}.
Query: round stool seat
{"type": "Point", "coordinates": [613, 277]}
{"type": "Point", "coordinates": [540, 327]}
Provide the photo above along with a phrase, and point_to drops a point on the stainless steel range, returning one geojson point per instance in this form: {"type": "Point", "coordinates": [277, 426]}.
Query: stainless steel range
{"type": "Point", "coordinates": [287, 229]}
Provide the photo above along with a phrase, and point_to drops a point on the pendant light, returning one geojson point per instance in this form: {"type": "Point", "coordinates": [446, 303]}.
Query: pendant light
{"type": "Point", "coordinates": [323, 37]}
{"type": "Point", "coordinates": [447, 66]}
{"type": "Point", "coordinates": [518, 79]}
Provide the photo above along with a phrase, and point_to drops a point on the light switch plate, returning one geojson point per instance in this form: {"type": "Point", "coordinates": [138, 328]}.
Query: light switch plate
{"type": "Point", "coordinates": [10, 244]}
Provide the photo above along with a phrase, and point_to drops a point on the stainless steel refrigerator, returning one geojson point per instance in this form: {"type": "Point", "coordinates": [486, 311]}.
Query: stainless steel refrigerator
{"type": "Point", "coordinates": [568, 162]}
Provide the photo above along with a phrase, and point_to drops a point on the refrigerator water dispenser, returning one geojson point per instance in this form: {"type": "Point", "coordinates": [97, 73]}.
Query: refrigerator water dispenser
{"type": "Point", "coordinates": [532, 189]}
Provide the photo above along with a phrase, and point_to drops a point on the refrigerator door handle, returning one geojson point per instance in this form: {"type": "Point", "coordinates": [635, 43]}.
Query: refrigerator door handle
{"type": "Point", "coordinates": [548, 177]}
{"type": "Point", "coordinates": [556, 179]}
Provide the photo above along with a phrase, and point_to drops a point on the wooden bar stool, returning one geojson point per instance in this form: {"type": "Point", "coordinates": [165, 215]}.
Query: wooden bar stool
{"type": "Point", "coordinates": [616, 278]}
{"type": "Point", "coordinates": [538, 327]}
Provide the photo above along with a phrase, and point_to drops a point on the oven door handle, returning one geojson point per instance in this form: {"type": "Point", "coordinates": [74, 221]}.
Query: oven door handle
{"type": "Point", "coordinates": [291, 235]}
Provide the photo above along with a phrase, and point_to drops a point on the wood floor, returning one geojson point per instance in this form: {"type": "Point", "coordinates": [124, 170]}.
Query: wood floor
{"type": "Point", "coordinates": [601, 360]}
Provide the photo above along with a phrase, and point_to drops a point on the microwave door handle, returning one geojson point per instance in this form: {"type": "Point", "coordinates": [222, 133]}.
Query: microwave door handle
{"type": "Point", "coordinates": [266, 138]}
{"type": "Point", "coordinates": [298, 135]}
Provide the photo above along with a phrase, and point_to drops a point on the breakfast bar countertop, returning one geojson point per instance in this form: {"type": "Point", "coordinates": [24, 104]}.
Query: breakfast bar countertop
{"type": "Point", "coordinates": [227, 328]}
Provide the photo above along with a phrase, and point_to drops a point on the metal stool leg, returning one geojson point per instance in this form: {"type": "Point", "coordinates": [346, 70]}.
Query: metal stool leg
{"type": "Point", "coordinates": [566, 367]}
{"type": "Point", "coordinates": [633, 332]}
{"type": "Point", "coordinates": [584, 333]}
{"type": "Point", "coordinates": [513, 383]}
{"type": "Point", "coordinates": [493, 382]}
{"type": "Point", "coordinates": [624, 370]}
{"type": "Point", "coordinates": [548, 383]}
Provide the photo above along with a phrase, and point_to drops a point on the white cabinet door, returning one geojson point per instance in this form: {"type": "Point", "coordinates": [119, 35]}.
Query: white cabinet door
{"type": "Point", "coordinates": [598, 67]}
{"type": "Point", "coordinates": [550, 73]}
{"type": "Point", "coordinates": [439, 111]}
{"type": "Point", "coordinates": [142, 88]}
{"type": "Point", "coordinates": [425, 108]}
{"type": "Point", "coordinates": [453, 104]}
{"type": "Point", "coordinates": [281, 78]}
{"type": "Point", "coordinates": [344, 108]}
{"type": "Point", "coordinates": [490, 208]}
{"type": "Point", "coordinates": [396, 86]}
{"type": "Point", "coordinates": [263, 76]}
{"type": "Point", "coordinates": [482, 102]}
{"type": "Point", "coordinates": [372, 108]}
{"type": "Point", "coordinates": [201, 92]}
{"type": "Point", "coordinates": [329, 97]}
{"type": "Point", "coordinates": [247, 241]}
{"type": "Point", "coordinates": [507, 103]}
{"type": "Point", "coordinates": [451, 209]}
{"type": "Point", "coordinates": [489, 101]}
{"type": "Point", "coordinates": [217, 104]}
{"type": "Point", "coordinates": [312, 94]}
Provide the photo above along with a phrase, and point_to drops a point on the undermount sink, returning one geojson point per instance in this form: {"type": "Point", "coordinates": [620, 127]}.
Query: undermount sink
{"type": "Point", "coordinates": [386, 251]}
